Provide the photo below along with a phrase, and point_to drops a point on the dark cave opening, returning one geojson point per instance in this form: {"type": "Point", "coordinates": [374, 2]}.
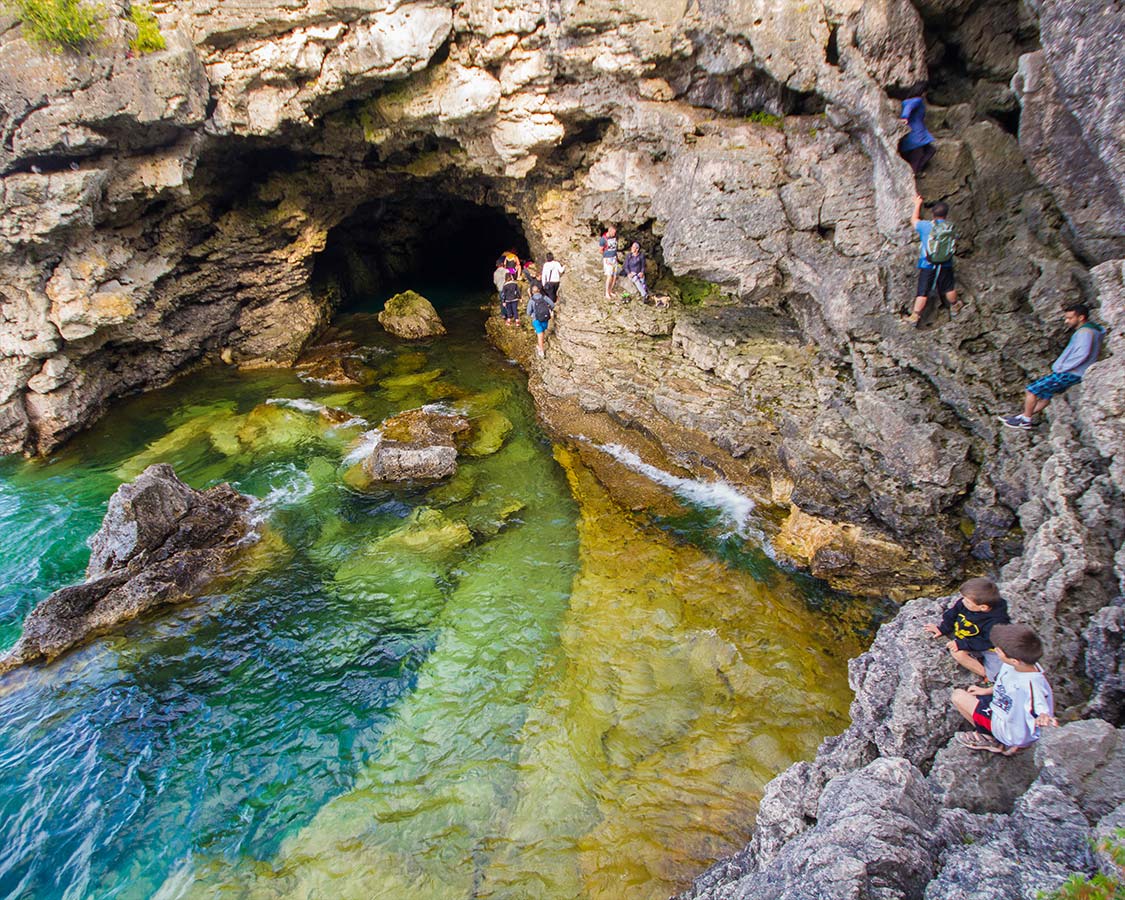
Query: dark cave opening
{"type": "Point", "coordinates": [422, 240]}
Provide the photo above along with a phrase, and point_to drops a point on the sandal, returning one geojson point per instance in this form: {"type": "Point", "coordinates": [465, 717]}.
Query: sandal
{"type": "Point", "coordinates": [974, 740]}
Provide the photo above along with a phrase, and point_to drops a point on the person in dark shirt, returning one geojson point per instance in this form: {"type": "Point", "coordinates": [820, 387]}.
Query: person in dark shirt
{"type": "Point", "coordinates": [510, 305]}
{"type": "Point", "coordinates": [968, 623]}
{"type": "Point", "coordinates": [635, 269]}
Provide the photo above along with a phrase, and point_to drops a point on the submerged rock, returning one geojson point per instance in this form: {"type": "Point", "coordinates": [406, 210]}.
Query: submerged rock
{"type": "Point", "coordinates": [410, 315]}
{"type": "Point", "coordinates": [161, 542]}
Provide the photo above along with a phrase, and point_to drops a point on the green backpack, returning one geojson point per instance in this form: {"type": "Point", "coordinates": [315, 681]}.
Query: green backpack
{"type": "Point", "coordinates": [941, 243]}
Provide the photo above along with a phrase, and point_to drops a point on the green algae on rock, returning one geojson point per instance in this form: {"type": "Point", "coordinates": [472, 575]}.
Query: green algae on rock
{"type": "Point", "coordinates": [410, 315]}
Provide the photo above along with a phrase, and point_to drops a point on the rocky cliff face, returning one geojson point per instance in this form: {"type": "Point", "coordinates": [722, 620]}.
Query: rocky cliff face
{"type": "Point", "coordinates": [212, 201]}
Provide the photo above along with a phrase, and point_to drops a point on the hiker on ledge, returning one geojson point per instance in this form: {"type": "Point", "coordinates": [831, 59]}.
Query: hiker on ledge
{"type": "Point", "coordinates": [539, 308]}
{"type": "Point", "coordinates": [607, 244]}
{"type": "Point", "coordinates": [935, 262]}
{"type": "Point", "coordinates": [1080, 353]}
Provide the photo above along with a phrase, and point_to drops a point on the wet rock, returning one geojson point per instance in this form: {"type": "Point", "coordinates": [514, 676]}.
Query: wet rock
{"type": "Point", "coordinates": [410, 315]}
{"type": "Point", "coordinates": [161, 543]}
{"type": "Point", "coordinates": [419, 444]}
{"type": "Point", "coordinates": [490, 428]}
{"type": "Point", "coordinates": [336, 363]}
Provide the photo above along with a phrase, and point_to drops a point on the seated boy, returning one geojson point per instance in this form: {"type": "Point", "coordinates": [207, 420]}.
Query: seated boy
{"type": "Point", "coordinates": [1009, 714]}
{"type": "Point", "coordinates": [969, 622]}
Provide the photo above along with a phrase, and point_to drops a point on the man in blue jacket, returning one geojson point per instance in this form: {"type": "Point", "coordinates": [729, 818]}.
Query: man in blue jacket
{"type": "Point", "coordinates": [1067, 370]}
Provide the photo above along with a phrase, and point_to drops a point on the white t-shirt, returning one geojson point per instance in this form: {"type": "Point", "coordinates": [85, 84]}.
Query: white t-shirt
{"type": "Point", "coordinates": [552, 271]}
{"type": "Point", "coordinates": [1017, 698]}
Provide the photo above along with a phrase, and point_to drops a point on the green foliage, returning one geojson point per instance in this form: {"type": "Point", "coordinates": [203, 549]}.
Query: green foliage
{"type": "Point", "coordinates": [760, 117]}
{"type": "Point", "coordinates": [59, 25]}
{"type": "Point", "coordinates": [1100, 887]}
{"type": "Point", "coordinates": [148, 39]}
{"type": "Point", "coordinates": [690, 291]}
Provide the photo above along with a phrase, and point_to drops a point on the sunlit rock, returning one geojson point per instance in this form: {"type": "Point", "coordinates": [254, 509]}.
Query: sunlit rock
{"type": "Point", "coordinates": [410, 315]}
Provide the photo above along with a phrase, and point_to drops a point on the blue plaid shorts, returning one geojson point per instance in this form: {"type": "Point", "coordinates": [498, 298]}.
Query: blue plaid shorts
{"type": "Point", "coordinates": [1055, 383]}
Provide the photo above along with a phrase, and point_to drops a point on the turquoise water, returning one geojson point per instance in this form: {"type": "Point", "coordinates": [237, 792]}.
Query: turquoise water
{"type": "Point", "coordinates": [460, 690]}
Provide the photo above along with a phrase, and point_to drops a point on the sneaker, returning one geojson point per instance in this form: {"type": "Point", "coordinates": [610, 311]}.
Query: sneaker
{"type": "Point", "coordinates": [1016, 421]}
{"type": "Point", "coordinates": [540, 353]}
{"type": "Point", "coordinates": [912, 320]}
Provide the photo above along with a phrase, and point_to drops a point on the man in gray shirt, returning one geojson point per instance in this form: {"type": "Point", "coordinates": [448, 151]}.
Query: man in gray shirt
{"type": "Point", "coordinates": [1067, 370]}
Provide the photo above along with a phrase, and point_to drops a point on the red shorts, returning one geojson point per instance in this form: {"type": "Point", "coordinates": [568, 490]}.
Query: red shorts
{"type": "Point", "coordinates": [982, 715]}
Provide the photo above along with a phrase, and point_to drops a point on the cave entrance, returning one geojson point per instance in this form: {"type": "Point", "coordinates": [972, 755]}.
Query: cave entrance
{"type": "Point", "coordinates": [442, 245]}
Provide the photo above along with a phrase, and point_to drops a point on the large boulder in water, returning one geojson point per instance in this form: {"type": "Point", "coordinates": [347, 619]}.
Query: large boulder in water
{"type": "Point", "coordinates": [419, 444]}
{"type": "Point", "coordinates": [161, 542]}
{"type": "Point", "coordinates": [410, 315]}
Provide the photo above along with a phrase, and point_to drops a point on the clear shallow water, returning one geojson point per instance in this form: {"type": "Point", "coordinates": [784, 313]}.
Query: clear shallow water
{"type": "Point", "coordinates": [503, 686]}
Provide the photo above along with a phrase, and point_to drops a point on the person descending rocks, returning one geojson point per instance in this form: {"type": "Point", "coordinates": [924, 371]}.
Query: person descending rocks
{"type": "Point", "coordinates": [552, 276]}
{"type": "Point", "coordinates": [935, 261]}
{"type": "Point", "coordinates": [608, 244]}
{"type": "Point", "coordinates": [539, 308]}
{"type": "Point", "coordinates": [499, 276]}
{"type": "Point", "coordinates": [968, 624]}
{"type": "Point", "coordinates": [531, 276]}
{"type": "Point", "coordinates": [1081, 352]}
{"type": "Point", "coordinates": [916, 147]}
{"type": "Point", "coordinates": [510, 300]}
{"type": "Point", "coordinates": [635, 269]}
{"type": "Point", "coordinates": [1009, 714]}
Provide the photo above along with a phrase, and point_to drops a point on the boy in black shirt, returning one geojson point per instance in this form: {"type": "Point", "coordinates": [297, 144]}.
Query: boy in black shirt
{"type": "Point", "coordinates": [969, 621]}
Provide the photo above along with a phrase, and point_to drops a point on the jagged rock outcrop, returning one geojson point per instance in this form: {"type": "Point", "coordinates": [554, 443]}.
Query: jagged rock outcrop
{"type": "Point", "coordinates": [161, 543]}
{"type": "Point", "coordinates": [410, 315]}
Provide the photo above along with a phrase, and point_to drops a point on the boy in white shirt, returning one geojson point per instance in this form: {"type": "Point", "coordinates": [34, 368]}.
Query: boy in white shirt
{"type": "Point", "coordinates": [1009, 714]}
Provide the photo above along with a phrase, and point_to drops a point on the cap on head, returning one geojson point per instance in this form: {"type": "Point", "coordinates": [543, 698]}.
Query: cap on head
{"type": "Point", "coordinates": [981, 590]}
{"type": "Point", "coordinates": [1017, 641]}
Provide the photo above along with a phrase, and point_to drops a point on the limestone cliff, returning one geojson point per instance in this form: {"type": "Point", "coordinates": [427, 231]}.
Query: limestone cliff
{"type": "Point", "coordinates": [212, 200]}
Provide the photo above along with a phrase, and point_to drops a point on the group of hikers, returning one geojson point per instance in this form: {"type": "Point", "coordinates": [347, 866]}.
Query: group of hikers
{"type": "Point", "coordinates": [543, 291]}
{"type": "Point", "coordinates": [543, 285]}
{"type": "Point", "coordinates": [1013, 699]}
{"type": "Point", "coordinates": [935, 275]}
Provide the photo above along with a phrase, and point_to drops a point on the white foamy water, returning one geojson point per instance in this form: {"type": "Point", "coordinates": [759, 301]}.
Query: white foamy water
{"type": "Point", "coordinates": [298, 403]}
{"type": "Point", "coordinates": [289, 485]}
{"type": "Point", "coordinates": [736, 508]}
{"type": "Point", "coordinates": [311, 406]}
{"type": "Point", "coordinates": [368, 441]}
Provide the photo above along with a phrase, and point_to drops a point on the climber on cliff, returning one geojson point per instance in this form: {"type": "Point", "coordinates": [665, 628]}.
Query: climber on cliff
{"type": "Point", "coordinates": [608, 245]}
{"type": "Point", "coordinates": [935, 261]}
{"type": "Point", "coordinates": [1081, 352]}
{"type": "Point", "coordinates": [916, 147]}
{"type": "Point", "coordinates": [552, 276]}
{"type": "Point", "coordinates": [539, 307]}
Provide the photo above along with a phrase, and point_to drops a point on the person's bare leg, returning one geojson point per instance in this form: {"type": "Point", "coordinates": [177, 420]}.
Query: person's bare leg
{"type": "Point", "coordinates": [1033, 405]}
{"type": "Point", "coordinates": [966, 660]}
{"type": "Point", "coordinates": [965, 703]}
{"type": "Point", "coordinates": [954, 304]}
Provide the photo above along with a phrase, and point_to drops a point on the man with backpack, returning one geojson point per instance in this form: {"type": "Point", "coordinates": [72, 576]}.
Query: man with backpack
{"type": "Point", "coordinates": [1081, 352]}
{"type": "Point", "coordinates": [935, 262]}
{"type": "Point", "coordinates": [539, 309]}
